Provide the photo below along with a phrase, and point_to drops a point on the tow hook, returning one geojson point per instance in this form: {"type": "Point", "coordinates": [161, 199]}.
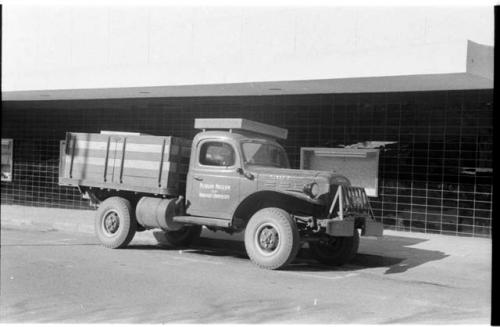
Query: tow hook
{"type": "Point", "coordinates": [310, 222]}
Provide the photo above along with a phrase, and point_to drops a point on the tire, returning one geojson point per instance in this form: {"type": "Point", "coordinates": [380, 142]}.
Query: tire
{"type": "Point", "coordinates": [184, 236]}
{"type": "Point", "coordinates": [271, 238]}
{"type": "Point", "coordinates": [115, 224]}
{"type": "Point", "coordinates": [336, 251]}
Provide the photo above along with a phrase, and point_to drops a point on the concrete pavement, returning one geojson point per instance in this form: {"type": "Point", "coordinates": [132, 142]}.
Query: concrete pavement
{"type": "Point", "coordinates": [400, 278]}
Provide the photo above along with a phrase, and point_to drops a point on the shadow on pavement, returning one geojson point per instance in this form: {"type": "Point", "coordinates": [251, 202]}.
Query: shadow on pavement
{"type": "Point", "coordinates": [400, 257]}
{"type": "Point", "coordinates": [204, 246]}
{"type": "Point", "coordinates": [392, 252]}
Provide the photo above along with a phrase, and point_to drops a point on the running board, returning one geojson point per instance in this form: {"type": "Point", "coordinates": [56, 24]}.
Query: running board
{"type": "Point", "coordinates": [207, 221]}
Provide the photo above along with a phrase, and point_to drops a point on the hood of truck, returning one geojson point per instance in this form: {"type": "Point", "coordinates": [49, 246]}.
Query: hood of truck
{"type": "Point", "coordinates": [295, 180]}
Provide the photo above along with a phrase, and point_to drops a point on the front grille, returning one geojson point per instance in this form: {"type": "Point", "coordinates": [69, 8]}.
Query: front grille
{"type": "Point", "coordinates": [350, 200]}
{"type": "Point", "coordinates": [355, 199]}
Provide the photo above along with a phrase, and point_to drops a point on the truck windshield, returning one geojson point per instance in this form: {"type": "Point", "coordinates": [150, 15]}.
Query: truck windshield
{"type": "Point", "coordinates": [264, 154]}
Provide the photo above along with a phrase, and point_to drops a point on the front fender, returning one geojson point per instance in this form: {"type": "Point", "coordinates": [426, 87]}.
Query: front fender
{"type": "Point", "coordinates": [302, 196]}
{"type": "Point", "coordinates": [292, 202]}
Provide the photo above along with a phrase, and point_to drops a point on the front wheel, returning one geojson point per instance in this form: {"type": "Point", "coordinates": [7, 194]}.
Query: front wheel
{"type": "Point", "coordinates": [271, 238]}
{"type": "Point", "coordinates": [335, 251]}
{"type": "Point", "coordinates": [115, 224]}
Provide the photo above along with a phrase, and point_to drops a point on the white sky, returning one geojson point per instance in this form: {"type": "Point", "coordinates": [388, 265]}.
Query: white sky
{"type": "Point", "coordinates": [81, 46]}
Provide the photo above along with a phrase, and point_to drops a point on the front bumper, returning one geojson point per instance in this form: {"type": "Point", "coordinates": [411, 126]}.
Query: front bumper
{"type": "Point", "coordinates": [351, 202]}
{"type": "Point", "coordinates": [346, 228]}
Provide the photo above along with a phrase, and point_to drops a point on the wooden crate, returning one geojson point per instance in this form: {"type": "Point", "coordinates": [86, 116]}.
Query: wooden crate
{"type": "Point", "coordinates": [360, 166]}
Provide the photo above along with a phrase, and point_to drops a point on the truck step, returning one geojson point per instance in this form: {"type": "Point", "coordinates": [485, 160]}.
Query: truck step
{"type": "Point", "coordinates": [207, 221]}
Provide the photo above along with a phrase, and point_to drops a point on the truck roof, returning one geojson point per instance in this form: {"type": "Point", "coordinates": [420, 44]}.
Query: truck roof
{"type": "Point", "coordinates": [235, 135]}
{"type": "Point", "coordinates": [240, 124]}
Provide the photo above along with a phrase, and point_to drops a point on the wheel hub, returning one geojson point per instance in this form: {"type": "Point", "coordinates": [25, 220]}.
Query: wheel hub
{"type": "Point", "coordinates": [268, 238]}
{"type": "Point", "coordinates": [111, 223]}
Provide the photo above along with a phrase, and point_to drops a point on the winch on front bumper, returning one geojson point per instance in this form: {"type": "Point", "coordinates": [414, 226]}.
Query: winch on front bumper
{"type": "Point", "coordinates": [350, 209]}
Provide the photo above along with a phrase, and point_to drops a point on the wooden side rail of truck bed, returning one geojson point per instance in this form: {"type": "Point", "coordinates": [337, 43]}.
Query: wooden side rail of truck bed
{"type": "Point", "coordinates": [139, 163]}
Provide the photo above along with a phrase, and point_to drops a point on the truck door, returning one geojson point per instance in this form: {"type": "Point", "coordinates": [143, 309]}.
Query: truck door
{"type": "Point", "coordinates": [213, 180]}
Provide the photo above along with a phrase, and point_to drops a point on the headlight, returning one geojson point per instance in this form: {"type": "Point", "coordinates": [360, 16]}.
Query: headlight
{"type": "Point", "coordinates": [312, 190]}
{"type": "Point", "coordinates": [340, 180]}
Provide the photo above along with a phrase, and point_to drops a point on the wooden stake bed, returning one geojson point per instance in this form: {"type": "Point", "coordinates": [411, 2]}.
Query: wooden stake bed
{"type": "Point", "coordinates": [139, 163]}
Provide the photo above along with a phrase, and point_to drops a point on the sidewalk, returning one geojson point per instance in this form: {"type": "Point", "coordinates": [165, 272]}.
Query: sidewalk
{"type": "Point", "coordinates": [77, 221]}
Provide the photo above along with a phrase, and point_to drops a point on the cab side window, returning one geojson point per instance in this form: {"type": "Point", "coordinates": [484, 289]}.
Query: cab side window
{"type": "Point", "coordinates": [217, 154]}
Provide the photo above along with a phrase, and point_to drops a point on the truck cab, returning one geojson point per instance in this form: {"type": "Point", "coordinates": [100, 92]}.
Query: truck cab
{"type": "Point", "coordinates": [223, 170]}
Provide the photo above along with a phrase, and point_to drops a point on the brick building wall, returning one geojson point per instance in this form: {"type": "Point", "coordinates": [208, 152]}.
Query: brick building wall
{"type": "Point", "coordinates": [428, 180]}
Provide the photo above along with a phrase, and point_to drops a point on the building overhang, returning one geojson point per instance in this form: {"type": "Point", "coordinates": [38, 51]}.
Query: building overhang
{"type": "Point", "coordinates": [412, 83]}
{"type": "Point", "coordinates": [477, 73]}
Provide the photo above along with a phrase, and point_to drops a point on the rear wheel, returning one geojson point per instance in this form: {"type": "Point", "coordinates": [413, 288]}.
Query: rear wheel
{"type": "Point", "coordinates": [115, 224]}
{"type": "Point", "coordinates": [184, 236]}
{"type": "Point", "coordinates": [271, 238]}
{"type": "Point", "coordinates": [335, 251]}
